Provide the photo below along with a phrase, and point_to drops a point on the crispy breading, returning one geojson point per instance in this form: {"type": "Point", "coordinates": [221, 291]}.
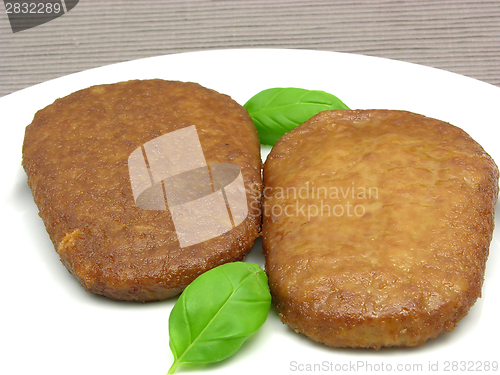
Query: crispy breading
{"type": "Point", "coordinates": [75, 154]}
{"type": "Point", "coordinates": [376, 227]}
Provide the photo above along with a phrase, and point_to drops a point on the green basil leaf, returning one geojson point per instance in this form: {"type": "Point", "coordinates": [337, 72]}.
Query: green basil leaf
{"type": "Point", "coordinates": [217, 312]}
{"type": "Point", "coordinates": [278, 110]}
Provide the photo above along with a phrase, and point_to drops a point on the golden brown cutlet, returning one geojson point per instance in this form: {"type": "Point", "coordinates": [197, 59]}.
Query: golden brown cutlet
{"type": "Point", "coordinates": [75, 154]}
{"type": "Point", "coordinates": [376, 227]}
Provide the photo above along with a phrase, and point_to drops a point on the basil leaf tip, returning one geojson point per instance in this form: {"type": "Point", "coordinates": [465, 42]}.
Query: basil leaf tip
{"type": "Point", "coordinates": [278, 110]}
{"type": "Point", "coordinates": [217, 313]}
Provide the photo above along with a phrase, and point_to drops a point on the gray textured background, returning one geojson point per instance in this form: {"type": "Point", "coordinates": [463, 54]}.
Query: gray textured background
{"type": "Point", "coordinates": [455, 35]}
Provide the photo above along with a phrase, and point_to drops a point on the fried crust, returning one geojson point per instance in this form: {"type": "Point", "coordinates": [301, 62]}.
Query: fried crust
{"type": "Point", "coordinates": [75, 154]}
{"type": "Point", "coordinates": [400, 263]}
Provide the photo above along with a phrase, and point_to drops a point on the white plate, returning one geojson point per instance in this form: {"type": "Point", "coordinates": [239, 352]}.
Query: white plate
{"type": "Point", "coordinates": [51, 325]}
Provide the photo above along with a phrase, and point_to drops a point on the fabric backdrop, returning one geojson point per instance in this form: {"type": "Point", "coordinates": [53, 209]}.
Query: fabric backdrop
{"type": "Point", "coordinates": [455, 35]}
